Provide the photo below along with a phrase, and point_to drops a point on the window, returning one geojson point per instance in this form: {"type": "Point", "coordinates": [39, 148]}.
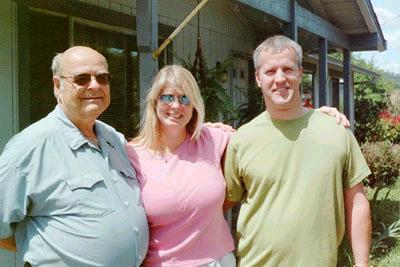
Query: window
{"type": "Point", "coordinates": [118, 48]}
{"type": "Point", "coordinates": [122, 57]}
{"type": "Point", "coordinates": [45, 42]}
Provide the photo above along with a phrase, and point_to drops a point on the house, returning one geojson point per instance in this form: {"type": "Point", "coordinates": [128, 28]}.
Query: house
{"type": "Point", "coordinates": [128, 31]}
{"type": "Point", "coordinates": [32, 31]}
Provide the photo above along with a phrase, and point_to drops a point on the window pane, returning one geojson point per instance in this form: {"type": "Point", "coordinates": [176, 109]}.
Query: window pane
{"type": "Point", "coordinates": [118, 48]}
{"type": "Point", "coordinates": [45, 42]}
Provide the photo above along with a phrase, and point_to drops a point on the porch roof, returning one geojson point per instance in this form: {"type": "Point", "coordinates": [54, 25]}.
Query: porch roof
{"type": "Point", "coordinates": [350, 24]}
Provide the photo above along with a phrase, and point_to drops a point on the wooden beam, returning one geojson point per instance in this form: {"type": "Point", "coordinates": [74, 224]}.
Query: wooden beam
{"type": "Point", "coordinates": [323, 70]}
{"type": "Point", "coordinates": [305, 20]}
{"type": "Point", "coordinates": [364, 42]}
{"type": "Point", "coordinates": [367, 14]}
{"type": "Point", "coordinates": [199, 6]}
{"type": "Point", "coordinates": [372, 22]}
{"type": "Point", "coordinates": [293, 21]}
{"type": "Point", "coordinates": [348, 93]}
{"type": "Point", "coordinates": [147, 41]}
{"type": "Point", "coordinates": [335, 92]}
{"type": "Point", "coordinates": [336, 65]}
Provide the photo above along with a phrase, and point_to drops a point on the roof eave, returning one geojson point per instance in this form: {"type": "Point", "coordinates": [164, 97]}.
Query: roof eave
{"type": "Point", "coordinates": [373, 25]}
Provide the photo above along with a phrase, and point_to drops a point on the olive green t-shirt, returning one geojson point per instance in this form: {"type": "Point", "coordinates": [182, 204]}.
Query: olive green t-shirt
{"type": "Point", "coordinates": [290, 177]}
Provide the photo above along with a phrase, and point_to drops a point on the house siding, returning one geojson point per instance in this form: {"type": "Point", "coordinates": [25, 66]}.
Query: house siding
{"type": "Point", "coordinates": [221, 29]}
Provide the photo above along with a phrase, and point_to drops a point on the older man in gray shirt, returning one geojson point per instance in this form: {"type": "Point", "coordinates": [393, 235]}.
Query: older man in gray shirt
{"type": "Point", "coordinates": [68, 195]}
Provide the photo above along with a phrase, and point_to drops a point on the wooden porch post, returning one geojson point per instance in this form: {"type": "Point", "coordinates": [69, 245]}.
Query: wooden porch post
{"type": "Point", "coordinates": [323, 70]}
{"type": "Point", "coordinates": [335, 92]}
{"type": "Point", "coordinates": [147, 42]}
{"type": "Point", "coordinates": [348, 92]}
{"type": "Point", "coordinates": [293, 21]}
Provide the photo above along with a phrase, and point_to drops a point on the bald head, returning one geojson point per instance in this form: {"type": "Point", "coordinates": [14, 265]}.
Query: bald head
{"type": "Point", "coordinates": [74, 54]}
{"type": "Point", "coordinates": [81, 89]}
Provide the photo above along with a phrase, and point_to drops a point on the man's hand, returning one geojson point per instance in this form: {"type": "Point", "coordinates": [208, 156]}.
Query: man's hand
{"type": "Point", "coordinates": [8, 243]}
{"type": "Point", "coordinates": [333, 112]}
{"type": "Point", "coordinates": [358, 223]}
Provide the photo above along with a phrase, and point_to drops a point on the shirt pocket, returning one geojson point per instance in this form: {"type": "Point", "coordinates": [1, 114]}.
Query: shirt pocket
{"type": "Point", "coordinates": [90, 194]}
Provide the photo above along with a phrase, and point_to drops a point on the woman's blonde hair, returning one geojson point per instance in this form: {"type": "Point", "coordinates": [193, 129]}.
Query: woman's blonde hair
{"type": "Point", "coordinates": [180, 78]}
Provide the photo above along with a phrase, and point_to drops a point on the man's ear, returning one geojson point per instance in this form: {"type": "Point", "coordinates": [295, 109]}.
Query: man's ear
{"type": "Point", "coordinates": [257, 74]}
{"type": "Point", "coordinates": [56, 86]}
{"type": "Point", "coordinates": [301, 71]}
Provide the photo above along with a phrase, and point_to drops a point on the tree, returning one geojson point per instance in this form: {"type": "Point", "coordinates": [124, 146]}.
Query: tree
{"type": "Point", "coordinates": [370, 100]}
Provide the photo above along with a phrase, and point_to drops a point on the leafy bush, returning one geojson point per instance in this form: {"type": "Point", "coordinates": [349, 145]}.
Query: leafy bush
{"type": "Point", "coordinates": [370, 100]}
{"type": "Point", "coordinates": [383, 159]}
{"type": "Point", "coordinates": [218, 105]}
{"type": "Point", "coordinates": [389, 126]}
{"type": "Point", "coordinates": [384, 237]}
{"type": "Point", "coordinates": [253, 107]}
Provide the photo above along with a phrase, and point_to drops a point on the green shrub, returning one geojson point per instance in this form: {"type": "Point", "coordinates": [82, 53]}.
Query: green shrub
{"type": "Point", "coordinates": [383, 159]}
{"type": "Point", "coordinates": [370, 99]}
{"type": "Point", "coordinates": [389, 126]}
{"type": "Point", "coordinates": [389, 131]}
{"type": "Point", "coordinates": [384, 237]}
{"type": "Point", "coordinates": [253, 107]}
{"type": "Point", "coordinates": [218, 105]}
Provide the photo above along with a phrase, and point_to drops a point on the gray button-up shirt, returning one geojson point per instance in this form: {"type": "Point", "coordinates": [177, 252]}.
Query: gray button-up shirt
{"type": "Point", "coordinates": [68, 202]}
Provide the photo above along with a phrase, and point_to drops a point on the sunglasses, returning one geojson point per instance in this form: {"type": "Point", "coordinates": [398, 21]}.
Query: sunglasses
{"type": "Point", "coordinates": [85, 78]}
{"type": "Point", "coordinates": [168, 99]}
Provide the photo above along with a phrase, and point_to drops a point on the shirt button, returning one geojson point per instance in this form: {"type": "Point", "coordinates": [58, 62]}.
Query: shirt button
{"type": "Point", "coordinates": [126, 203]}
{"type": "Point", "coordinates": [115, 179]}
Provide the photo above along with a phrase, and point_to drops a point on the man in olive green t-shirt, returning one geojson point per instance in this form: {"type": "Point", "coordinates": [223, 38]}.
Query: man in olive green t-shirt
{"type": "Point", "coordinates": [297, 173]}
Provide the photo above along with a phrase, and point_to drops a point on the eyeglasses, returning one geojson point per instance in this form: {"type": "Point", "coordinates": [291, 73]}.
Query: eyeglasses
{"type": "Point", "coordinates": [85, 78]}
{"type": "Point", "coordinates": [168, 99]}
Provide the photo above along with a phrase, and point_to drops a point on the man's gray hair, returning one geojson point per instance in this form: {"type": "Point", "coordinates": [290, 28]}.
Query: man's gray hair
{"type": "Point", "coordinates": [276, 44]}
{"type": "Point", "coordinates": [56, 64]}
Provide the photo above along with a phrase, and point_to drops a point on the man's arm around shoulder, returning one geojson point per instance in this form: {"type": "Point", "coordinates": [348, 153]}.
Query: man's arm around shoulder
{"type": "Point", "coordinates": [8, 243]}
{"type": "Point", "coordinates": [358, 223]}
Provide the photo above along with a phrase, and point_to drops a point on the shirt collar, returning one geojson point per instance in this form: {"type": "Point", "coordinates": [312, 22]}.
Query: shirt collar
{"type": "Point", "coordinates": [74, 136]}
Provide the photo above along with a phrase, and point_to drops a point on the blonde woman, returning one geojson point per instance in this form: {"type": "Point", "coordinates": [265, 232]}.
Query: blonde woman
{"type": "Point", "coordinates": [178, 164]}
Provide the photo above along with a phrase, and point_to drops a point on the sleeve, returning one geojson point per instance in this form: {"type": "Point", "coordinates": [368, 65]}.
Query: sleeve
{"type": "Point", "coordinates": [356, 169]}
{"type": "Point", "coordinates": [234, 184]}
{"type": "Point", "coordinates": [220, 139]}
{"type": "Point", "coordinates": [13, 195]}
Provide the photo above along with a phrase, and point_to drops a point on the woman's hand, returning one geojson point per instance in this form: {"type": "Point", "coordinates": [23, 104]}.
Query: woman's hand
{"type": "Point", "coordinates": [333, 112]}
{"type": "Point", "coordinates": [220, 125]}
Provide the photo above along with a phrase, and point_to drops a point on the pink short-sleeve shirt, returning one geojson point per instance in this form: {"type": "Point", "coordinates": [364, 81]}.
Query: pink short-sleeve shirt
{"type": "Point", "coordinates": [183, 196]}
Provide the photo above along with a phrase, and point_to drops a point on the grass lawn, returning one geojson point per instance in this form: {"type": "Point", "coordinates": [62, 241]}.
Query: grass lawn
{"type": "Point", "coordinates": [387, 211]}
